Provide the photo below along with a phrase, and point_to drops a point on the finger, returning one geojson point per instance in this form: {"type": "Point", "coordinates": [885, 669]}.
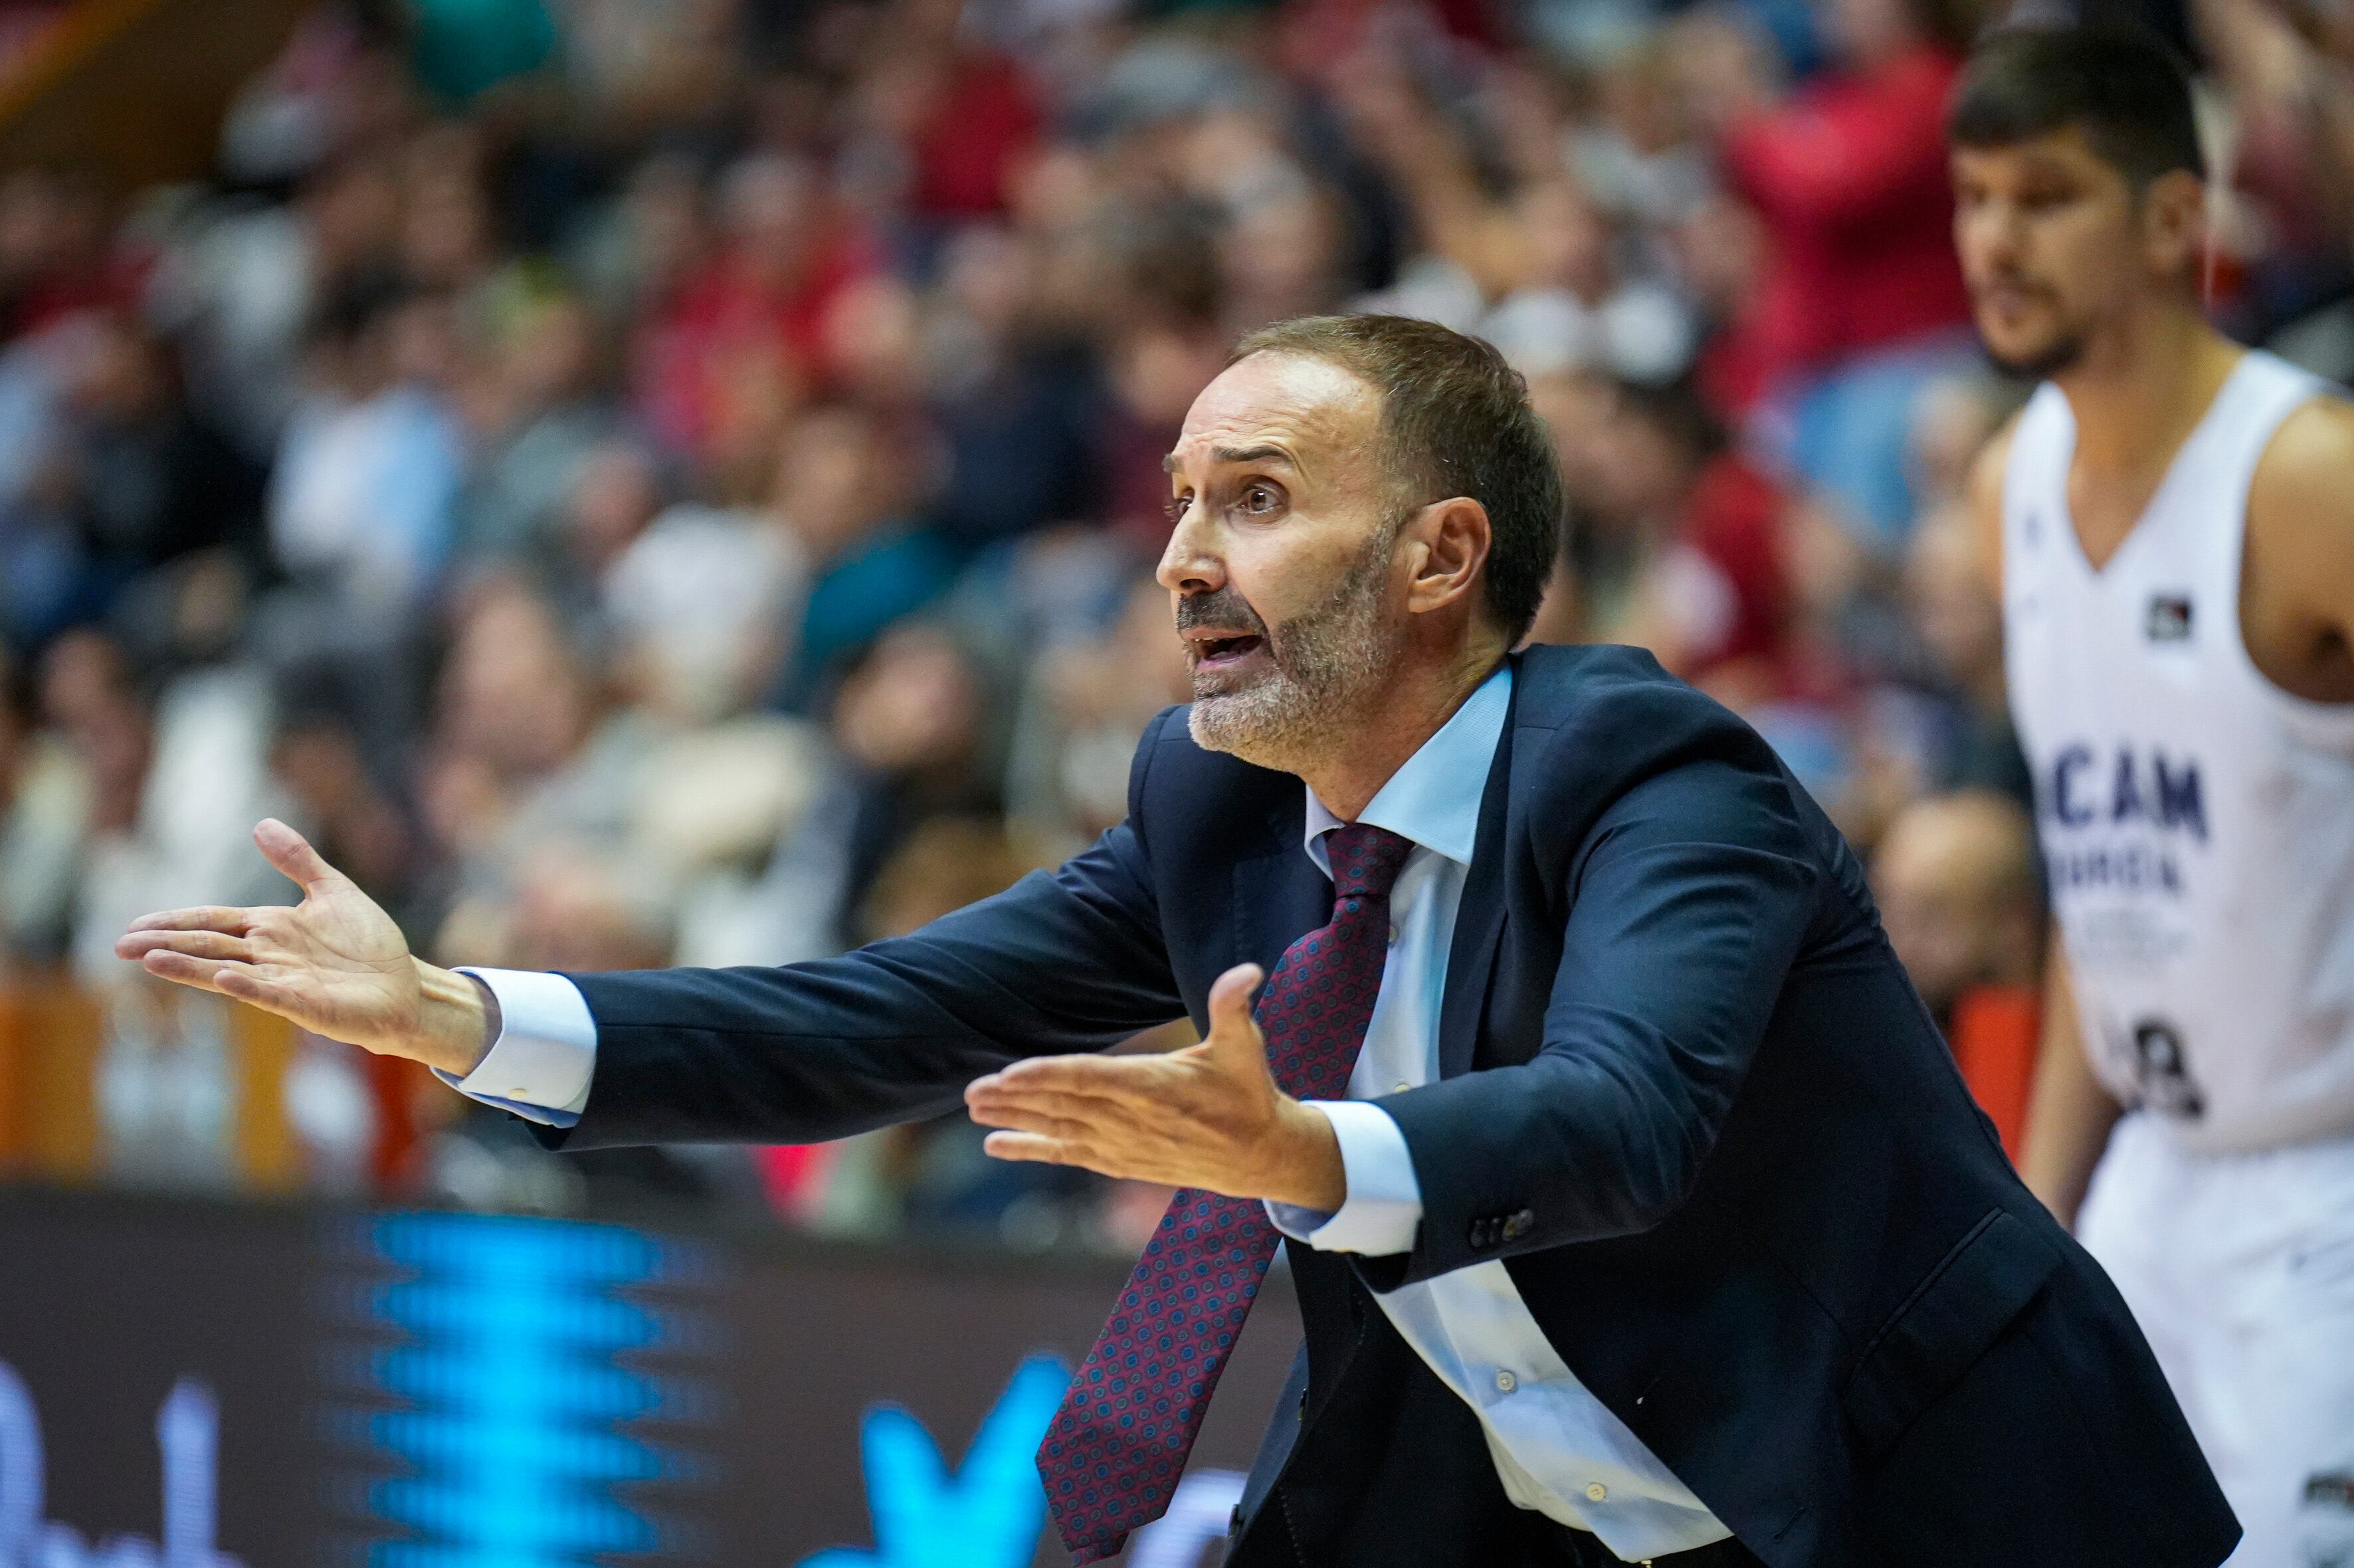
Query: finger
{"type": "Point", "coordinates": [1050, 1151]}
{"type": "Point", "coordinates": [238, 981]}
{"type": "Point", "coordinates": [1124, 1078]}
{"type": "Point", "coordinates": [137, 945]}
{"type": "Point", "coordinates": [204, 917]}
{"type": "Point", "coordinates": [181, 968]}
{"type": "Point", "coordinates": [271, 996]}
{"type": "Point", "coordinates": [1025, 1146]}
{"type": "Point", "coordinates": [1230, 1026]}
{"type": "Point", "coordinates": [291, 853]}
{"type": "Point", "coordinates": [1049, 1123]}
{"type": "Point", "coordinates": [1096, 1110]}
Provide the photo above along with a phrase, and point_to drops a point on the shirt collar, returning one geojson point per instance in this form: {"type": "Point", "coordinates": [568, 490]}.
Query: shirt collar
{"type": "Point", "coordinates": [1427, 800]}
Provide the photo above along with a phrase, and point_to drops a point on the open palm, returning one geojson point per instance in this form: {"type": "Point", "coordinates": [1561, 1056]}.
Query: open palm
{"type": "Point", "coordinates": [335, 963]}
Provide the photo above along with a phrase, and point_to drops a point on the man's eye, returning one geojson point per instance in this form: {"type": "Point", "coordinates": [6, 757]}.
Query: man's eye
{"type": "Point", "coordinates": [1260, 498]}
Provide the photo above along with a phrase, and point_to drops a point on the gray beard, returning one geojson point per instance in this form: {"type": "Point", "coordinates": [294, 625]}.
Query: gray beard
{"type": "Point", "coordinates": [1327, 663]}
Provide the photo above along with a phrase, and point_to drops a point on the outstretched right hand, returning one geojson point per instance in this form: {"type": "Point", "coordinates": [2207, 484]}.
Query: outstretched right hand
{"type": "Point", "coordinates": [335, 963]}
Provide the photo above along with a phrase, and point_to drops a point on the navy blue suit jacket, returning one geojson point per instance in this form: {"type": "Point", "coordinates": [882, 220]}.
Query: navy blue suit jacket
{"type": "Point", "coordinates": [1687, 1094]}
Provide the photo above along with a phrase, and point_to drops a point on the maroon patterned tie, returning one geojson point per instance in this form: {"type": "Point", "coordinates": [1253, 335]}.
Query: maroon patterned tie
{"type": "Point", "coordinates": [1116, 1449]}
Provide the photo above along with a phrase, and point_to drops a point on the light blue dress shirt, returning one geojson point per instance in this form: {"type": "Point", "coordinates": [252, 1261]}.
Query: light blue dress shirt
{"type": "Point", "coordinates": [1557, 1449]}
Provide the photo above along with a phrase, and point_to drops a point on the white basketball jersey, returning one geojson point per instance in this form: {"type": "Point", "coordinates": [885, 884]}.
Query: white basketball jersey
{"type": "Point", "coordinates": [2197, 820]}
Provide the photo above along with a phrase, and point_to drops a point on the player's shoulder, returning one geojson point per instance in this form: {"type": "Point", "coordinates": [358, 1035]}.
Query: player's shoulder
{"type": "Point", "coordinates": [1982, 496]}
{"type": "Point", "coordinates": [2301, 480]}
{"type": "Point", "coordinates": [1983, 488]}
{"type": "Point", "coordinates": [2313, 445]}
{"type": "Point", "coordinates": [2300, 505]}
{"type": "Point", "coordinates": [1988, 465]}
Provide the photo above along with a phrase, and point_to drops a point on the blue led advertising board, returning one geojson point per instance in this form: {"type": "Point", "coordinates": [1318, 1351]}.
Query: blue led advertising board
{"type": "Point", "coordinates": [200, 1384]}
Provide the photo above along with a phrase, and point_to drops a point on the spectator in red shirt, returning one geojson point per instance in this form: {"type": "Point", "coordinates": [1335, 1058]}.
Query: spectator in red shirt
{"type": "Point", "coordinates": [1682, 548]}
{"type": "Point", "coordinates": [58, 258]}
{"type": "Point", "coordinates": [983, 119]}
{"type": "Point", "coordinates": [747, 329]}
{"type": "Point", "coordinates": [1861, 299]}
{"type": "Point", "coordinates": [1849, 175]}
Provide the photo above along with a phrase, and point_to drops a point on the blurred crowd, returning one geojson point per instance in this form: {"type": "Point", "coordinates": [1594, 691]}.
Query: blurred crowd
{"type": "Point", "coordinates": [649, 482]}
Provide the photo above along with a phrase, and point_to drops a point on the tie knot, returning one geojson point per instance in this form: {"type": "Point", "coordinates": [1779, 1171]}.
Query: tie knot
{"type": "Point", "coordinates": [1365, 859]}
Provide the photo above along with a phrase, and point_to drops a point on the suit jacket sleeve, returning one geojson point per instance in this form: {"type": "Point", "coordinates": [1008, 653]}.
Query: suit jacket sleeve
{"type": "Point", "coordinates": [1689, 897]}
{"type": "Point", "coordinates": [1071, 960]}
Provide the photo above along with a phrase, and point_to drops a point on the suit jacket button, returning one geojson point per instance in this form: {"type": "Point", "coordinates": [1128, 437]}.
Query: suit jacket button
{"type": "Point", "coordinates": [1520, 1224]}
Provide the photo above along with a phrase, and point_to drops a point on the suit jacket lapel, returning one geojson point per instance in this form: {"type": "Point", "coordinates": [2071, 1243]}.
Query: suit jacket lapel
{"type": "Point", "coordinates": [1479, 919]}
{"type": "Point", "coordinates": [1280, 896]}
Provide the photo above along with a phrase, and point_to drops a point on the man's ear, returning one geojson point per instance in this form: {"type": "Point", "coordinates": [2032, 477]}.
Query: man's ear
{"type": "Point", "coordinates": [2174, 223]}
{"type": "Point", "coordinates": [1451, 539]}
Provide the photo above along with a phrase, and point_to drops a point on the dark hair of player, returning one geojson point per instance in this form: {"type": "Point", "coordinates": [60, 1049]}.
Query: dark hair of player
{"type": "Point", "coordinates": [2124, 89]}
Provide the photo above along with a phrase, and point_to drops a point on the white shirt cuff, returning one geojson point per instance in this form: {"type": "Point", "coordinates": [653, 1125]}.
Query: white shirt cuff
{"type": "Point", "coordinates": [1384, 1206]}
{"type": "Point", "coordinates": [540, 1065]}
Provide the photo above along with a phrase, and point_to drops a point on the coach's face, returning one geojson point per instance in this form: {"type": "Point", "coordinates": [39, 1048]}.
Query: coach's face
{"type": "Point", "coordinates": [1279, 559]}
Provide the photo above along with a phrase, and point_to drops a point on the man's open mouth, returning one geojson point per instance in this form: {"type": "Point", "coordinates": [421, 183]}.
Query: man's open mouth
{"type": "Point", "coordinates": [1216, 653]}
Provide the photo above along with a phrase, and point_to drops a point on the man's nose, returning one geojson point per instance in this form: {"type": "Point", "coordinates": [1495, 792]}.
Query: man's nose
{"type": "Point", "coordinates": [1189, 564]}
{"type": "Point", "coordinates": [2000, 233]}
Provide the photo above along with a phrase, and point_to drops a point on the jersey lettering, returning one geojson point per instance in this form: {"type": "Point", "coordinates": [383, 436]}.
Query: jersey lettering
{"type": "Point", "coordinates": [2172, 797]}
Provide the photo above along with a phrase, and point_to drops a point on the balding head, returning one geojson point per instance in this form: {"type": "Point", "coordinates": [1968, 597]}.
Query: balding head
{"type": "Point", "coordinates": [1955, 878]}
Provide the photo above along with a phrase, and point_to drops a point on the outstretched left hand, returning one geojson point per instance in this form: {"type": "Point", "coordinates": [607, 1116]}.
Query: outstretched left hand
{"type": "Point", "coordinates": [1208, 1117]}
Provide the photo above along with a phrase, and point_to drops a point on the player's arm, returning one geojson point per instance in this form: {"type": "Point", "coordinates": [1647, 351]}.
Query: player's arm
{"type": "Point", "coordinates": [2300, 541]}
{"type": "Point", "coordinates": [2070, 1115]}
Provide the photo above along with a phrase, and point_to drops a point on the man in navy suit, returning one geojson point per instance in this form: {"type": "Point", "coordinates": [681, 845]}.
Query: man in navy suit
{"type": "Point", "coordinates": [1636, 1210]}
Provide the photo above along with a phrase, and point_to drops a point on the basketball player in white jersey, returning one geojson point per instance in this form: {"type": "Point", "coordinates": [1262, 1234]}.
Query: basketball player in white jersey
{"type": "Point", "coordinates": [2172, 518]}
